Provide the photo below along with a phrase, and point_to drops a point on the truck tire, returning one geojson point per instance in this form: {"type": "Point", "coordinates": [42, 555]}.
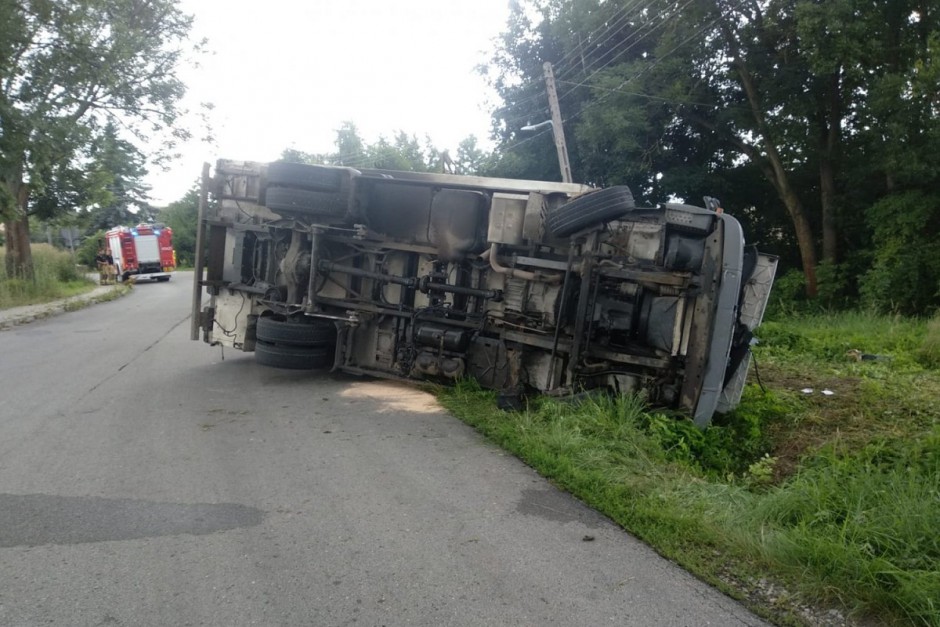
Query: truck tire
{"type": "Point", "coordinates": [273, 330]}
{"type": "Point", "coordinates": [293, 357]}
{"type": "Point", "coordinates": [294, 201]}
{"type": "Point", "coordinates": [593, 208]}
{"type": "Point", "coordinates": [286, 174]}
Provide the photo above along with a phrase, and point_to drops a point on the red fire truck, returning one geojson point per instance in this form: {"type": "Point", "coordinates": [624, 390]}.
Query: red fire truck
{"type": "Point", "coordinates": [144, 251]}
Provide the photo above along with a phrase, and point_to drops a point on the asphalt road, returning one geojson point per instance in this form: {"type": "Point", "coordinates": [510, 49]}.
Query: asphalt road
{"type": "Point", "coordinates": [149, 480]}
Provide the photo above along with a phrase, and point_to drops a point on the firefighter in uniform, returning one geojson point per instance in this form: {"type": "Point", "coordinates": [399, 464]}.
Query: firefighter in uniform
{"type": "Point", "coordinates": [105, 267]}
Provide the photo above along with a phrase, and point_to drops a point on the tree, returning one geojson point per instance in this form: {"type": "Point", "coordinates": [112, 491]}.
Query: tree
{"type": "Point", "coordinates": [403, 153]}
{"type": "Point", "coordinates": [182, 216]}
{"type": "Point", "coordinates": [117, 169]}
{"type": "Point", "coordinates": [65, 69]}
{"type": "Point", "coordinates": [471, 159]}
{"type": "Point", "coordinates": [833, 104]}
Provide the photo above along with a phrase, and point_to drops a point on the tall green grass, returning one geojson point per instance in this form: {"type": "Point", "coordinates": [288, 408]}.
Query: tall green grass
{"type": "Point", "coordinates": [55, 276]}
{"type": "Point", "coordinates": [929, 352]}
{"type": "Point", "coordinates": [861, 527]}
{"type": "Point", "coordinates": [855, 521]}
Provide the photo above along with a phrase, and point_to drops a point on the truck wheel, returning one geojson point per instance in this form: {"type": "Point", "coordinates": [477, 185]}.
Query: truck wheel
{"type": "Point", "coordinates": [296, 333]}
{"type": "Point", "coordinates": [290, 200]}
{"type": "Point", "coordinates": [293, 357]}
{"type": "Point", "coordinates": [593, 208]}
{"type": "Point", "coordinates": [286, 174]}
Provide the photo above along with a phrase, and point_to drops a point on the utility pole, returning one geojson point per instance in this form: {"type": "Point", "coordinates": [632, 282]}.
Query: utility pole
{"type": "Point", "coordinates": [558, 131]}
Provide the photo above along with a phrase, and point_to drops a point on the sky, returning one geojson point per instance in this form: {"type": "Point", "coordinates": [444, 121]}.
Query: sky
{"type": "Point", "coordinates": [287, 73]}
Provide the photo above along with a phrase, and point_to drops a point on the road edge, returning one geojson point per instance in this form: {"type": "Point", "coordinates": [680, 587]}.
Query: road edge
{"type": "Point", "coordinates": [17, 316]}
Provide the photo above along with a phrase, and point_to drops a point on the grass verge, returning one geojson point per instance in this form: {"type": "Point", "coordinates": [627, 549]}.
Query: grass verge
{"type": "Point", "coordinates": [795, 499]}
{"type": "Point", "coordinates": [55, 276]}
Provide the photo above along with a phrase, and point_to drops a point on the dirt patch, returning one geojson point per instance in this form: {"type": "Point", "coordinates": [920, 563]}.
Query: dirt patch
{"type": "Point", "coordinates": [831, 414]}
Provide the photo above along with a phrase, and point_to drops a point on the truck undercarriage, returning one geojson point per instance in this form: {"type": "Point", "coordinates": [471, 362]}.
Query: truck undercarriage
{"type": "Point", "coordinates": [520, 285]}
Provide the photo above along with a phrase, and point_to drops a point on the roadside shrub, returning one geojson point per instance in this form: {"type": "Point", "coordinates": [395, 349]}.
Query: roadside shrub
{"type": "Point", "coordinates": [788, 293]}
{"type": "Point", "coordinates": [85, 254]}
{"type": "Point", "coordinates": [14, 289]}
{"type": "Point", "coordinates": [905, 275]}
{"type": "Point", "coordinates": [728, 447]}
{"type": "Point", "coordinates": [928, 355]}
{"type": "Point", "coordinates": [55, 275]}
{"type": "Point", "coordinates": [833, 285]}
{"type": "Point", "coordinates": [52, 265]}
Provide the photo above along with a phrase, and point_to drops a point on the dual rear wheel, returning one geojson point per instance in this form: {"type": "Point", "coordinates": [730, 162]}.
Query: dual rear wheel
{"type": "Point", "coordinates": [295, 343]}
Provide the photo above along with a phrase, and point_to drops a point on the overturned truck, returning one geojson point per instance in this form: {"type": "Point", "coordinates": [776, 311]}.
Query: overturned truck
{"type": "Point", "coordinates": [521, 285]}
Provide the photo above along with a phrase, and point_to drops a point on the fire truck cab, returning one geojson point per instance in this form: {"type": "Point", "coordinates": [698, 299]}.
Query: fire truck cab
{"type": "Point", "coordinates": [144, 251]}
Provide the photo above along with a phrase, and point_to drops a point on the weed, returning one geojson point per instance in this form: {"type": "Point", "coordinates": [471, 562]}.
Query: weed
{"type": "Point", "coordinates": [862, 526]}
{"type": "Point", "coordinates": [55, 276]}
{"type": "Point", "coordinates": [928, 355]}
{"type": "Point", "coordinates": [761, 472]}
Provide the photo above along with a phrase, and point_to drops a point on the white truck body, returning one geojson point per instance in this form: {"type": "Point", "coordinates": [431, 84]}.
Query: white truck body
{"type": "Point", "coordinates": [525, 286]}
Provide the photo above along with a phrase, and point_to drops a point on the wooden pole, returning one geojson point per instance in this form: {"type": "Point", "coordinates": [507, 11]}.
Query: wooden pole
{"type": "Point", "coordinates": [558, 131]}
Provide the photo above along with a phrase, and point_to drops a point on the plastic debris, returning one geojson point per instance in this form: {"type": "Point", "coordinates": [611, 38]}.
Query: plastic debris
{"type": "Point", "coordinates": [858, 355]}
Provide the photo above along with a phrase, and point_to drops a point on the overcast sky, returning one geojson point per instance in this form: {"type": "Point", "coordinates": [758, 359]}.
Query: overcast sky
{"type": "Point", "coordinates": [286, 74]}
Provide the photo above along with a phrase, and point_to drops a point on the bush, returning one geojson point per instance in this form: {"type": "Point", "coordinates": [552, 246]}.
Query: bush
{"type": "Point", "coordinates": [928, 355]}
{"type": "Point", "coordinates": [789, 293]}
{"type": "Point", "coordinates": [905, 276]}
{"type": "Point", "coordinates": [89, 248]}
{"type": "Point", "coordinates": [833, 285]}
{"type": "Point", "coordinates": [55, 275]}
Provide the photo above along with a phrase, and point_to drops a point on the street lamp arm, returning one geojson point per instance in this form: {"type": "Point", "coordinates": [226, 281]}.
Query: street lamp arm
{"type": "Point", "coordinates": [538, 127]}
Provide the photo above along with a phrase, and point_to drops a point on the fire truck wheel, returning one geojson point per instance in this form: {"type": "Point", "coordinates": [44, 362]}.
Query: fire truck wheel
{"type": "Point", "coordinates": [296, 333]}
{"type": "Point", "coordinates": [285, 174]}
{"type": "Point", "coordinates": [293, 357]}
{"type": "Point", "coordinates": [593, 208]}
{"type": "Point", "coordinates": [293, 201]}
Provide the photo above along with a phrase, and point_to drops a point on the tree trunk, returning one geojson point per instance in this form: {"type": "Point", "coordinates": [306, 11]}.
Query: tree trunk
{"type": "Point", "coordinates": [830, 229]}
{"type": "Point", "coordinates": [830, 139]}
{"type": "Point", "coordinates": [801, 225]}
{"type": "Point", "coordinates": [774, 168]}
{"type": "Point", "coordinates": [19, 255]}
{"type": "Point", "coordinates": [777, 175]}
{"type": "Point", "coordinates": [804, 237]}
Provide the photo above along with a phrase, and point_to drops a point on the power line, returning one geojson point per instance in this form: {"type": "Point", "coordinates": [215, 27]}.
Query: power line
{"type": "Point", "coordinates": [611, 30]}
{"type": "Point", "coordinates": [648, 96]}
{"type": "Point", "coordinates": [649, 32]}
{"type": "Point", "coordinates": [644, 70]}
{"type": "Point", "coordinates": [612, 26]}
{"type": "Point", "coordinates": [645, 25]}
{"type": "Point", "coordinates": [617, 17]}
{"type": "Point", "coordinates": [631, 42]}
